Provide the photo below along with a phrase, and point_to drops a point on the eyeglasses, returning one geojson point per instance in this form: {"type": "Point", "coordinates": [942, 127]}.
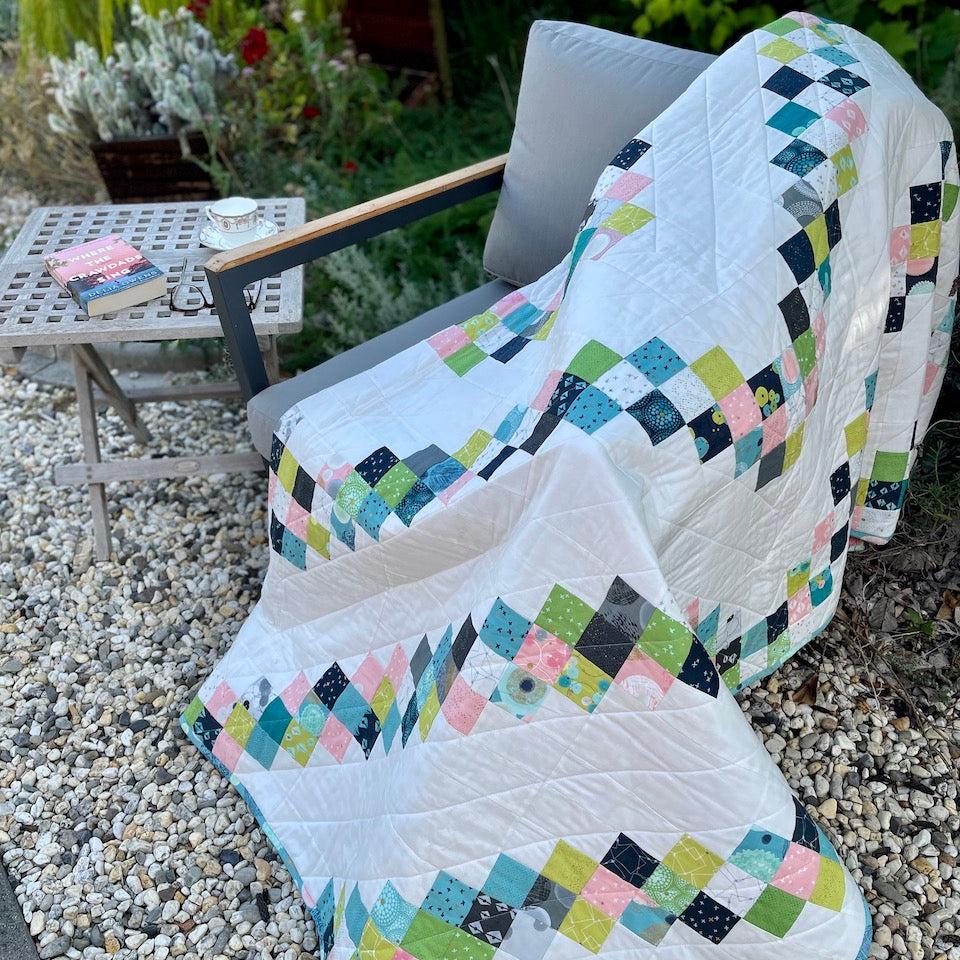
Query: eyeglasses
{"type": "Point", "coordinates": [188, 297]}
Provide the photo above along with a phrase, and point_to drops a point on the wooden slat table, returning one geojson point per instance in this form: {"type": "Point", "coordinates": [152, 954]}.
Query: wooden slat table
{"type": "Point", "coordinates": [35, 311]}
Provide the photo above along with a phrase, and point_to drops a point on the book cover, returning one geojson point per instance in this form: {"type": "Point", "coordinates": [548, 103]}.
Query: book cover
{"type": "Point", "coordinates": [95, 272]}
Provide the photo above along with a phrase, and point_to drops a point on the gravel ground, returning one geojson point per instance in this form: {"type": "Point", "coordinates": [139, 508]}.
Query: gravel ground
{"type": "Point", "coordinates": [120, 840]}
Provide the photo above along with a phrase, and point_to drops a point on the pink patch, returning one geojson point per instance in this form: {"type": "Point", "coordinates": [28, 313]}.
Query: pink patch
{"type": "Point", "coordinates": [227, 750]}
{"type": "Point", "coordinates": [402, 955]}
{"type": "Point", "coordinates": [542, 400]}
{"type": "Point", "coordinates": [508, 304]}
{"type": "Point", "coordinates": [849, 117]}
{"type": "Point", "coordinates": [798, 606]}
{"type": "Point", "coordinates": [607, 892]}
{"type": "Point", "coordinates": [823, 531]}
{"type": "Point", "coordinates": [221, 701]}
{"type": "Point", "coordinates": [920, 266]}
{"type": "Point", "coordinates": [293, 695]}
{"type": "Point", "coordinates": [799, 871]}
{"type": "Point", "coordinates": [463, 706]}
{"type": "Point", "coordinates": [807, 19]}
{"type": "Point", "coordinates": [297, 518]}
{"type": "Point", "coordinates": [397, 667]}
{"type": "Point", "coordinates": [810, 388]}
{"type": "Point", "coordinates": [341, 473]}
{"type": "Point", "coordinates": [368, 677]}
{"type": "Point", "coordinates": [542, 654]}
{"type": "Point", "coordinates": [741, 410]}
{"type": "Point", "coordinates": [271, 486]}
{"type": "Point", "coordinates": [693, 613]}
{"type": "Point", "coordinates": [774, 430]}
{"type": "Point", "coordinates": [461, 481]}
{"type": "Point", "coordinates": [930, 377]}
{"type": "Point", "coordinates": [644, 898]}
{"type": "Point", "coordinates": [448, 341]}
{"type": "Point", "coordinates": [900, 244]}
{"type": "Point", "coordinates": [789, 365]}
{"type": "Point", "coordinates": [335, 738]}
{"type": "Point", "coordinates": [555, 300]}
{"type": "Point", "coordinates": [642, 677]}
{"type": "Point", "coordinates": [628, 185]}
{"type": "Point", "coordinates": [819, 324]}
{"type": "Point", "coordinates": [308, 898]}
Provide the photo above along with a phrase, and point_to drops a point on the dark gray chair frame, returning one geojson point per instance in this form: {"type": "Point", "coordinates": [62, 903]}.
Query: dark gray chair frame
{"type": "Point", "coordinates": [229, 272]}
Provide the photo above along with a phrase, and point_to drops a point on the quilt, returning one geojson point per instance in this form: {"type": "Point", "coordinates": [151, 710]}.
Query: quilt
{"type": "Point", "coordinates": [485, 707]}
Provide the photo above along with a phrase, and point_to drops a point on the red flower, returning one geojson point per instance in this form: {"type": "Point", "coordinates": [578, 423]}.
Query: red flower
{"type": "Point", "coordinates": [198, 8]}
{"type": "Point", "coordinates": [310, 112]}
{"type": "Point", "coordinates": [350, 167]}
{"type": "Point", "coordinates": [254, 46]}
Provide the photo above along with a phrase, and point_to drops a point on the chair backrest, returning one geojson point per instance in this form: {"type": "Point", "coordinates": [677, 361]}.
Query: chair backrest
{"type": "Point", "coordinates": [584, 92]}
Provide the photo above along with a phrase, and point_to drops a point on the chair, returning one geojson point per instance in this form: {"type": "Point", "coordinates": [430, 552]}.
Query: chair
{"type": "Point", "coordinates": [584, 92]}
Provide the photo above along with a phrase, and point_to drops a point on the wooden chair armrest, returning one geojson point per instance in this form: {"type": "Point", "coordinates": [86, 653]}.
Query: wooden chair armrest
{"type": "Point", "coordinates": [361, 213]}
{"type": "Point", "coordinates": [229, 272]}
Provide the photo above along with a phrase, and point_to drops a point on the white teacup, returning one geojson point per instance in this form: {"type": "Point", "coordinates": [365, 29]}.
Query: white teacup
{"type": "Point", "coordinates": [234, 216]}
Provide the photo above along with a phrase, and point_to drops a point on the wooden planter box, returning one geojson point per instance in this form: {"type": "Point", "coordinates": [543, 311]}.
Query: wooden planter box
{"type": "Point", "coordinates": [152, 169]}
{"type": "Point", "coordinates": [406, 34]}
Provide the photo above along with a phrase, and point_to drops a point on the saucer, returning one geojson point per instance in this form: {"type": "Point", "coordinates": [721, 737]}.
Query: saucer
{"type": "Point", "coordinates": [210, 236]}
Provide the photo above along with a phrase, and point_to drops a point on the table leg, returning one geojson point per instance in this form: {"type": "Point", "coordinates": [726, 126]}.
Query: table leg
{"type": "Point", "coordinates": [91, 453]}
{"type": "Point", "coordinates": [98, 371]}
{"type": "Point", "coordinates": [271, 357]}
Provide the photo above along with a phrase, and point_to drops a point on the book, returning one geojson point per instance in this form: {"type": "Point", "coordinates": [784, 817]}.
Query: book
{"type": "Point", "coordinates": [105, 275]}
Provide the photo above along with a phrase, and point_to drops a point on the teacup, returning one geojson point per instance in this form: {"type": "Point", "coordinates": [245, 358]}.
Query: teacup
{"type": "Point", "coordinates": [233, 216]}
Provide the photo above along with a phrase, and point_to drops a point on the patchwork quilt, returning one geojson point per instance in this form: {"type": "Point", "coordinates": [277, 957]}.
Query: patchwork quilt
{"type": "Point", "coordinates": [485, 706]}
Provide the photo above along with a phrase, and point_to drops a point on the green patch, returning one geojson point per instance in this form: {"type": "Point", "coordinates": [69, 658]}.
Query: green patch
{"type": "Point", "coordinates": [569, 867]}
{"type": "Point", "coordinates": [352, 494]}
{"type": "Point", "coordinates": [949, 202]}
{"type": "Point", "coordinates": [667, 641]}
{"type": "Point", "coordinates": [395, 484]}
{"type": "Point", "coordinates": [718, 372]}
{"type": "Point", "coordinates": [775, 911]}
{"type": "Point", "coordinates": [793, 447]}
{"type": "Point", "coordinates": [889, 467]}
{"type": "Point", "coordinates": [782, 50]}
{"type": "Point", "coordinates": [287, 470]}
{"type": "Point", "coordinates": [564, 615]}
{"type": "Point", "coordinates": [472, 449]}
{"type": "Point", "coordinates": [782, 26]}
{"type": "Point", "coordinates": [586, 925]}
{"type": "Point", "coordinates": [805, 346]}
{"type": "Point", "coordinates": [693, 862]}
{"type": "Point", "coordinates": [193, 711]}
{"type": "Point", "coordinates": [856, 434]}
{"type": "Point", "coordinates": [463, 946]}
{"type": "Point", "coordinates": [627, 219]}
{"type": "Point", "coordinates": [427, 937]}
{"type": "Point", "coordinates": [592, 361]}
{"type": "Point", "coordinates": [465, 359]}
{"type": "Point", "coordinates": [318, 537]}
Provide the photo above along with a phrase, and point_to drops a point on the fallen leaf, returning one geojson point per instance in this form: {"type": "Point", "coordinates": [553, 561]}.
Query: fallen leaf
{"type": "Point", "coordinates": [807, 691]}
{"type": "Point", "coordinates": [950, 603]}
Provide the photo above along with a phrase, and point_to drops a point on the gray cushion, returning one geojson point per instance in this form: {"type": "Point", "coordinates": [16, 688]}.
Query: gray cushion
{"type": "Point", "coordinates": [266, 408]}
{"type": "Point", "coordinates": [583, 94]}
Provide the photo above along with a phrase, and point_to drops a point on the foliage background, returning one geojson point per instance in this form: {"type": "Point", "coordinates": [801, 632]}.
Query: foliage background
{"type": "Point", "coordinates": [297, 123]}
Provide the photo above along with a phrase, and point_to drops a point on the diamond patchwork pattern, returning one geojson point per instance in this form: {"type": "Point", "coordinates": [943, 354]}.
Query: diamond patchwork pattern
{"type": "Point", "coordinates": [766, 882]}
{"type": "Point", "coordinates": [569, 649]}
{"type": "Point", "coordinates": [663, 392]}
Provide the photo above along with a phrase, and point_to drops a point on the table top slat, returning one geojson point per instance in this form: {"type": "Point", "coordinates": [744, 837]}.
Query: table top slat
{"type": "Point", "coordinates": [34, 310]}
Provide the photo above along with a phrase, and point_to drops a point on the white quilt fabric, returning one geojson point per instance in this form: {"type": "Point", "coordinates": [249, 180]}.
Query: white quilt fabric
{"type": "Point", "coordinates": [484, 707]}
